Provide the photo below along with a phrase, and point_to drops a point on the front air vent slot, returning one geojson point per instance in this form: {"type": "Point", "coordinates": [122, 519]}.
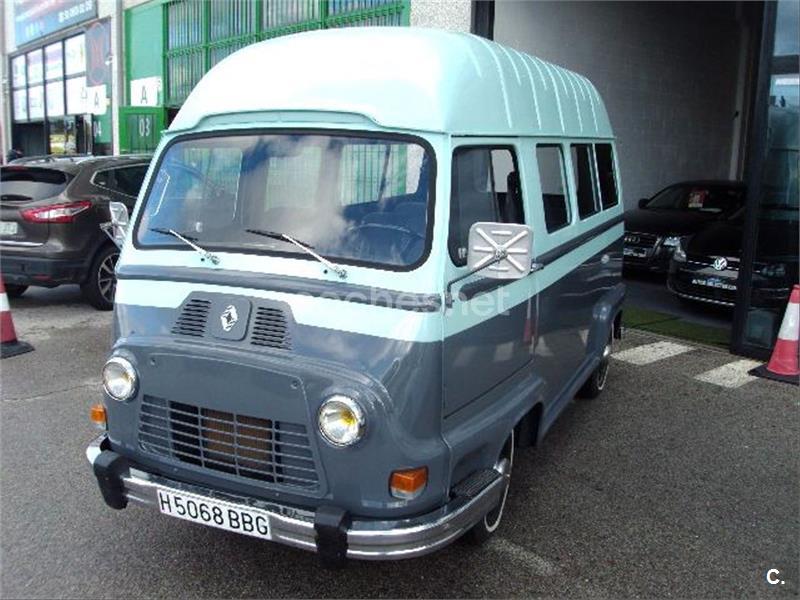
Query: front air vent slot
{"type": "Point", "coordinates": [193, 318]}
{"type": "Point", "coordinates": [270, 329]}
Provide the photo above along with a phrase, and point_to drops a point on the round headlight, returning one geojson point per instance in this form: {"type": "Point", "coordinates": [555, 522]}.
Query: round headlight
{"type": "Point", "coordinates": [341, 421]}
{"type": "Point", "coordinates": [119, 378]}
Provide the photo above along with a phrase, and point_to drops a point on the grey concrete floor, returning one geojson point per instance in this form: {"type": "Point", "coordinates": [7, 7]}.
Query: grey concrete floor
{"type": "Point", "coordinates": [664, 487]}
{"type": "Point", "coordinates": [649, 291]}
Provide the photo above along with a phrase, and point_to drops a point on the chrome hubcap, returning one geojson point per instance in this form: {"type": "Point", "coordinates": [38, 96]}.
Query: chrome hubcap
{"type": "Point", "coordinates": [106, 280]}
{"type": "Point", "coordinates": [602, 370]}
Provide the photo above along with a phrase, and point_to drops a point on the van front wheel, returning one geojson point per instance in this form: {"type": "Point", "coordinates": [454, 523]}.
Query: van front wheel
{"type": "Point", "coordinates": [484, 528]}
{"type": "Point", "coordinates": [597, 380]}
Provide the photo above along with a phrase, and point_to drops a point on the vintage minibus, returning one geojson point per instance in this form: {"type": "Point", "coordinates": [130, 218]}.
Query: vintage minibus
{"type": "Point", "coordinates": [365, 265]}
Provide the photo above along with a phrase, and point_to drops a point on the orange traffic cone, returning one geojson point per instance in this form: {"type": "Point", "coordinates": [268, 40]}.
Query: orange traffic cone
{"type": "Point", "coordinates": [785, 362]}
{"type": "Point", "coordinates": [9, 345]}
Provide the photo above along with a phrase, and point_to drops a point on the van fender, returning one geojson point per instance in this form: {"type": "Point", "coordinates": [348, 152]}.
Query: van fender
{"type": "Point", "coordinates": [606, 319]}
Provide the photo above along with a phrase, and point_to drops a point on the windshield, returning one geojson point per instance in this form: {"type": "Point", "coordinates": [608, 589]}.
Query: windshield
{"type": "Point", "coordinates": [699, 198]}
{"type": "Point", "coordinates": [25, 184]}
{"type": "Point", "coordinates": [352, 199]}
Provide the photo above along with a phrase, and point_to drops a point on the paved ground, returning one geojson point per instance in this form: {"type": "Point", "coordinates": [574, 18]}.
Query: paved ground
{"type": "Point", "coordinates": [650, 291]}
{"type": "Point", "coordinates": [666, 486]}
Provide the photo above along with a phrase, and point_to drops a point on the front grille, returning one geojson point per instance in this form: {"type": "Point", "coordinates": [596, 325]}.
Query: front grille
{"type": "Point", "coordinates": [245, 446]}
{"type": "Point", "coordinates": [270, 328]}
{"type": "Point", "coordinates": [640, 240]}
{"type": "Point", "coordinates": [695, 260]}
{"type": "Point", "coordinates": [193, 318]}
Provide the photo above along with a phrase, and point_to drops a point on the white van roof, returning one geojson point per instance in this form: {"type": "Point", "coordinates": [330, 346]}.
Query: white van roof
{"type": "Point", "coordinates": [403, 78]}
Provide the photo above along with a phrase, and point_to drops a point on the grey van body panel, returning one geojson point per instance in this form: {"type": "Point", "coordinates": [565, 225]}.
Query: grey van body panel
{"type": "Point", "coordinates": [389, 377]}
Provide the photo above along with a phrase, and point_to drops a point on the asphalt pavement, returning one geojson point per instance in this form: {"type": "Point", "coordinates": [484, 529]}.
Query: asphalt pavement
{"type": "Point", "coordinates": [665, 486]}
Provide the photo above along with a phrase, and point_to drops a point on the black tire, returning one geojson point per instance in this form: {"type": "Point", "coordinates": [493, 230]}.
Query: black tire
{"type": "Point", "coordinates": [485, 528]}
{"type": "Point", "coordinates": [98, 290]}
{"type": "Point", "coordinates": [597, 380]}
{"type": "Point", "coordinates": [15, 291]}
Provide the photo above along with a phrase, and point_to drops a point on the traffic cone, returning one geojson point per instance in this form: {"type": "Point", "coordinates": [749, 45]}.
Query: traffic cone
{"type": "Point", "coordinates": [9, 344]}
{"type": "Point", "coordinates": [785, 362]}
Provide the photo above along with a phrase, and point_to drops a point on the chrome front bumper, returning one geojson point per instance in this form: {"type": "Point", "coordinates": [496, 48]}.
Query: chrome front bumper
{"type": "Point", "coordinates": [366, 539]}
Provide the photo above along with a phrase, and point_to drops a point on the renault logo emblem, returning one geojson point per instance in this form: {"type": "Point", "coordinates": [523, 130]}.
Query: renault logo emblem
{"type": "Point", "coordinates": [229, 317]}
{"type": "Point", "coordinates": [720, 264]}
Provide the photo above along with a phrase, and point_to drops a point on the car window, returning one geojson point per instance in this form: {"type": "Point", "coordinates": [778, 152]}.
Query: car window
{"type": "Point", "coordinates": [486, 187]}
{"type": "Point", "coordinates": [605, 175]}
{"type": "Point", "coordinates": [129, 180]}
{"type": "Point", "coordinates": [31, 183]}
{"type": "Point", "coordinates": [699, 198]}
{"type": "Point", "coordinates": [552, 181]}
{"type": "Point", "coordinates": [583, 171]}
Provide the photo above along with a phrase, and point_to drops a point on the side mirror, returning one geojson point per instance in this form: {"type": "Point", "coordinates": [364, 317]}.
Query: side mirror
{"type": "Point", "coordinates": [498, 250]}
{"type": "Point", "coordinates": [643, 202]}
{"type": "Point", "coordinates": [117, 229]}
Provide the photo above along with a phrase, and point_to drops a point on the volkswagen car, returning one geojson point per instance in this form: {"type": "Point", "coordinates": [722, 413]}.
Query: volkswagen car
{"type": "Point", "coordinates": [653, 230]}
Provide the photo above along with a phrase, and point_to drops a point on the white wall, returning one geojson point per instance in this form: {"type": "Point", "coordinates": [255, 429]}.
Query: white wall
{"type": "Point", "coordinates": [667, 73]}
{"type": "Point", "coordinates": [453, 15]}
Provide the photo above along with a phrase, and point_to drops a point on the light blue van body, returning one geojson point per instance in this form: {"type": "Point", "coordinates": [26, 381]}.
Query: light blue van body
{"type": "Point", "coordinates": [441, 386]}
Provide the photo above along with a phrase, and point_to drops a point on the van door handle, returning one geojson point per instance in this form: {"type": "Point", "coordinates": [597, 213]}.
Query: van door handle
{"type": "Point", "coordinates": [536, 266]}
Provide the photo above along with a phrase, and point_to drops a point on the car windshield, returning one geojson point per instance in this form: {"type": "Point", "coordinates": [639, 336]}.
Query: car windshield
{"type": "Point", "coordinates": [31, 183]}
{"type": "Point", "coordinates": [351, 198]}
{"type": "Point", "coordinates": [699, 198]}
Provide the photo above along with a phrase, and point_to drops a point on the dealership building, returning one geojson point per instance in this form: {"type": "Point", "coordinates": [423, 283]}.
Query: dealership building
{"type": "Point", "coordinates": [694, 91]}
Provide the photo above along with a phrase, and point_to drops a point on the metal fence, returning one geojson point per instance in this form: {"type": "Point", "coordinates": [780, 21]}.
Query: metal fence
{"type": "Point", "coordinates": [200, 33]}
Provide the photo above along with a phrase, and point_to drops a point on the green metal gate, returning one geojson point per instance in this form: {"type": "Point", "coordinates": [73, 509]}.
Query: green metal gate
{"type": "Point", "coordinates": [200, 33]}
{"type": "Point", "coordinates": [140, 128]}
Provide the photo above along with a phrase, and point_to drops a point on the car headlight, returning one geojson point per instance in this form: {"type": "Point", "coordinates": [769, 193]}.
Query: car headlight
{"type": "Point", "coordinates": [671, 241]}
{"type": "Point", "coordinates": [679, 254]}
{"type": "Point", "coordinates": [119, 378]}
{"type": "Point", "coordinates": [341, 421]}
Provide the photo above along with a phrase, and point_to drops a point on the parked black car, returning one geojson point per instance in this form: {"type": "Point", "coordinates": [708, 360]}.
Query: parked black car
{"type": "Point", "coordinates": [655, 228]}
{"type": "Point", "coordinates": [705, 267]}
{"type": "Point", "coordinates": [50, 216]}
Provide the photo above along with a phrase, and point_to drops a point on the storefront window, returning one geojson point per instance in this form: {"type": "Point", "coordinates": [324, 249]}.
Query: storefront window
{"type": "Point", "coordinates": [775, 253]}
{"type": "Point", "coordinates": [76, 96]}
{"type": "Point", "coordinates": [36, 103]}
{"type": "Point", "coordinates": [53, 62]}
{"type": "Point", "coordinates": [55, 98]}
{"type": "Point", "coordinates": [75, 55]}
{"type": "Point", "coordinates": [20, 105]}
{"type": "Point", "coordinates": [18, 78]}
{"type": "Point", "coordinates": [35, 70]}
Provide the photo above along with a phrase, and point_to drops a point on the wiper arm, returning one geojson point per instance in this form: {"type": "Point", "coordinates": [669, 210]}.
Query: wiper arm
{"type": "Point", "coordinates": [307, 248]}
{"type": "Point", "coordinates": [212, 258]}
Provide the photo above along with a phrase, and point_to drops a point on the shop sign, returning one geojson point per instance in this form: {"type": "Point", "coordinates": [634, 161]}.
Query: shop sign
{"type": "Point", "coordinates": [34, 19]}
{"type": "Point", "coordinates": [145, 91]}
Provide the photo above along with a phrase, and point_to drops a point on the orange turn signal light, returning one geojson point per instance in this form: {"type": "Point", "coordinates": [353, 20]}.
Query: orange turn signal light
{"type": "Point", "coordinates": [408, 483]}
{"type": "Point", "coordinates": [97, 414]}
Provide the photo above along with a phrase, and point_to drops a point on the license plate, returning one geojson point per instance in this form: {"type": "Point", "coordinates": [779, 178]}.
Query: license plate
{"type": "Point", "coordinates": [714, 282]}
{"type": "Point", "coordinates": [214, 513]}
{"type": "Point", "coordinates": [8, 228]}
{"type": "Point", "coordinates": [635, 252]}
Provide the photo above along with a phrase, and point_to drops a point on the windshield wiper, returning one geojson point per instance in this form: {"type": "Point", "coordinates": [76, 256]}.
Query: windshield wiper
{"type": "Point", "coordinates": [212, 258]}
{"type": "Point", "coordinates": [307, 248]}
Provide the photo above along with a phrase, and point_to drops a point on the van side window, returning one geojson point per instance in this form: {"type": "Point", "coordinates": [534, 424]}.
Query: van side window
{"type": "Point", "coordinates": [486, 187]}
{"type": "Point", "coordinates": [583, 173]}
{"type": "Point", "coordinates": [550, 161]}
{"type": "Point", "coordinates": [605, 175]}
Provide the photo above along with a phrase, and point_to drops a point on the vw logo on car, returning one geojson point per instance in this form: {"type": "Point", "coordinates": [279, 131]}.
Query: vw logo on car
{"type": "Point", "coordinates": [721, 263]}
